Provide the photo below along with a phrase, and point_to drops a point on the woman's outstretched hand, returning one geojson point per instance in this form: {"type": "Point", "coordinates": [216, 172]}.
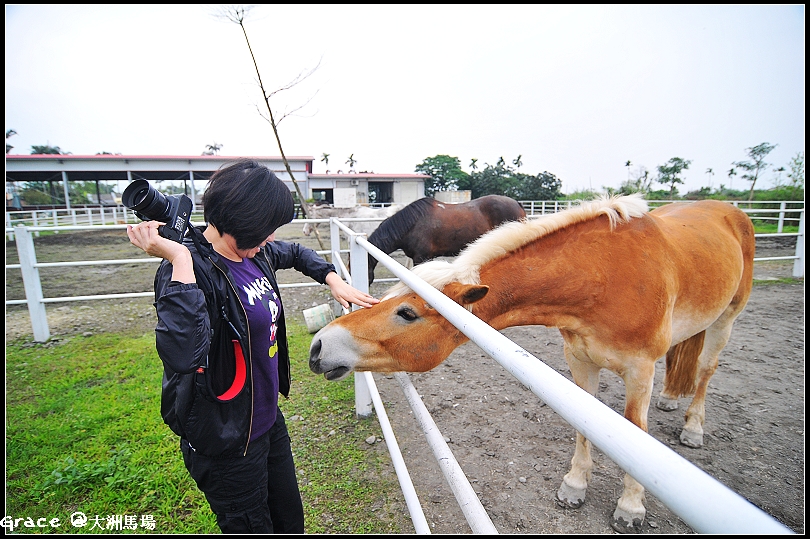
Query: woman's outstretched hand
{"type": "Point", "coordinates": [346, 294]}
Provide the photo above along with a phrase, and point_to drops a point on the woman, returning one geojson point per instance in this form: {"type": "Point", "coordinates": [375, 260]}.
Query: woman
{"type": "Point", "coordinates": [221, 335]}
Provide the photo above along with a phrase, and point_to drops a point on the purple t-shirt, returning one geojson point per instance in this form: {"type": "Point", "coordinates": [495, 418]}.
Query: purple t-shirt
{"type": "Point", "coordinates": [263, 309]}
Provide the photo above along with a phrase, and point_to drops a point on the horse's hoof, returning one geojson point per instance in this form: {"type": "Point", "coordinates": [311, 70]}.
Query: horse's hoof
{"type": "Point", "coordinates": [624, 522]}
{"type": "Point", "coordinates": [691, 439]}
{"type": "Point", "coordinates": [569, 497]}
{"type": "Point", "coordinates": [666, 404]}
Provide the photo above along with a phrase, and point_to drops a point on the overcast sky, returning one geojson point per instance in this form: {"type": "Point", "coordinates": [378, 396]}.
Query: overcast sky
{"type": "Point", "coordinates": [575, 91]}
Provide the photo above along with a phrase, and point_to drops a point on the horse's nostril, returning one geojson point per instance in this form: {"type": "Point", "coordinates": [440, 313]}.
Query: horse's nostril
{"type": "Point", "coordinates": [314, 352]}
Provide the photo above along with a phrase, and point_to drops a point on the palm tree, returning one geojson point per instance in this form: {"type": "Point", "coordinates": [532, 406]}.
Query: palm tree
{"type": "Point", "coordinates": [779, 171]}
{"type": "Point", "coordinates": [517, 162]}
{"type": "Point", "coordinates": [351, 161]}
{"type": "Point", "coordinates": [710, 172]}
{"type": "Point", "coordinates": [628, 164]}
{"type": "Point", "coordinates": [212, 149]}
{"type": "Point", "coordinates": [46, 149]}
{"type": "Point", "coordinates": [473, 165]}
{"type": "Point", "coordinates": [731, 173]}
{"type": "Point", "coordinates": [9, 133]}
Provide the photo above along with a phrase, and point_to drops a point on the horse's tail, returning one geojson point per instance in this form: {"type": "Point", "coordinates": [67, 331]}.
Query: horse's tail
{"type": "Point", "coordinates": [682, 366]}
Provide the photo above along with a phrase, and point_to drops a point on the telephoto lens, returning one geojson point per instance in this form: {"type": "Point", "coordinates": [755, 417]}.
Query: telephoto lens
{"type": "Point", "coordinates": [149, 203]}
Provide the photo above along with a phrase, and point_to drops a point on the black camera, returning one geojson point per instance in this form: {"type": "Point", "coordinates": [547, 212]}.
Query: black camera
{"type": "Point", "coordinates": [150, 204]}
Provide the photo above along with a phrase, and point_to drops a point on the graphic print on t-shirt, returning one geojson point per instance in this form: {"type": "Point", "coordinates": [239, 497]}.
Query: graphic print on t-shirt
{"type": "Point", "coordinates": [261, 290]}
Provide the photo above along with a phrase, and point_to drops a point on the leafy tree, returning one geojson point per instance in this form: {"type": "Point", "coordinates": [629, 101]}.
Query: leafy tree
{"type": "Point", "coordinates": [638, 182]}
{"type": "Point", "coordinates": [9, 133]}
{"type": "Point", "coordinates": [492, 180]}
{"type": "Point", "coordinates": [86, 192]}
{"type": "Point", "coordinates": [38, 193]}
{"type": "Point", "coordinates": [670, 173]}
{"type": "Point", "coordinates": [756, 164]}
{"type": "Point", "coordinates": [445, 173]}
{"type": "Point", "coordinates": [47, 150]}
{"type": "Point", "coordinates": [543, 186]}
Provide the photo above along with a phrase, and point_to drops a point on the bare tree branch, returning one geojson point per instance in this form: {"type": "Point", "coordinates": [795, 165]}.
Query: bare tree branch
{"type": "Point", "coordinates": [237, 14]}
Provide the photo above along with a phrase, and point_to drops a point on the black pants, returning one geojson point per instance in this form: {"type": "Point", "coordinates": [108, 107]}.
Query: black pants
{"type": "Point", "coordinates": [257, 493]}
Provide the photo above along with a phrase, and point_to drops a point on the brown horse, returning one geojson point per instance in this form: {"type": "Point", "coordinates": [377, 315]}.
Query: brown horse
{"type": "Point", "coordinates": [624, 286]}
{"type": "Point", "coordinates": [427, 228]}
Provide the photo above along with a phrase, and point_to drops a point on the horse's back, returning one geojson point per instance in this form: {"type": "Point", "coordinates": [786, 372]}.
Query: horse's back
{"type": "Point", "coordinates": [702, 227]}
{"type": "Point", "coordinates": [499, 209]}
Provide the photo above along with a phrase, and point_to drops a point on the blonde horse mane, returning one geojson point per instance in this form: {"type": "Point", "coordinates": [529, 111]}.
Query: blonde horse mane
{"type": "Point", "coordinates": [513, 235]}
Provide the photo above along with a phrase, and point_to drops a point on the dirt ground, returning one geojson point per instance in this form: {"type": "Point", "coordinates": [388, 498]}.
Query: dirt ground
{"type": "Point", "coordinates": [512, 447]}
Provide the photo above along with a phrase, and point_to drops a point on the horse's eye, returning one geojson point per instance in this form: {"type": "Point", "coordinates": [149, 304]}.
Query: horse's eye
{"type": "Point", "coordinates": [407, 314]}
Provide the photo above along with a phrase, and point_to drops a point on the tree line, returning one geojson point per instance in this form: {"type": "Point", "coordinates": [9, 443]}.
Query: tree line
{"type": "Point", "coordinates": [501, 178]}
{"type": "Point", "coordinates": [446, 174]}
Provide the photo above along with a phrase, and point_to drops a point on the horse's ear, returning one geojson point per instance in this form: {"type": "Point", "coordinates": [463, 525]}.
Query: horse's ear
{"type": "Point", "coordinates": [465, 294]}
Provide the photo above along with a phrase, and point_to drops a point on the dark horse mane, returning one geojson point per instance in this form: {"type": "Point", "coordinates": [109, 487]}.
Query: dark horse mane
{"type": "Point", "coordinates": [390, 231]}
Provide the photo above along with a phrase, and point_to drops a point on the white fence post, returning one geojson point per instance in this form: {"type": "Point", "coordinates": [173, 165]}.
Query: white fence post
{"type": "Point", "coordinates": [782, 206]}
{"type": "Point", "coordinates": [33, 286]}
{"type": "Point", "coordinates": [363, 403]}
{"type": "Point", "coordinates": [334, 242]}
{"type": "Point", "coordinates": [798, 264]}
{"type": "Point", "coordinates": [8, 225]}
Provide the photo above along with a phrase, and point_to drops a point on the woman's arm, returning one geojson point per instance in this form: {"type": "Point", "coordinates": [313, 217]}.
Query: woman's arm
{"type": "Point", "coordinates": [286, 255]}
{"type": "Point", "coordinates": [182, 334]}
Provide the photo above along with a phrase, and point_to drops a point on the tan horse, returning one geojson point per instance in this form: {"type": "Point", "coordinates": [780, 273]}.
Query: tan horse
{"type": "Point", "coordinates": [624, 286]}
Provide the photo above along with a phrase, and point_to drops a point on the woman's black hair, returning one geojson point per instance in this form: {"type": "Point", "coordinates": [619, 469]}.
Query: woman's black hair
{"type": "Point", "coordinates": [246, 200]}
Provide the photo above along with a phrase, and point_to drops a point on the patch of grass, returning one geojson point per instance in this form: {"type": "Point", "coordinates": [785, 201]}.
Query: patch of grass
{"type": "Point", "coordinates": [783, 280]}
{"type": "Point", "coordinates": [769, 227]}
{"type": "Point", "coordinates": [84, 433]}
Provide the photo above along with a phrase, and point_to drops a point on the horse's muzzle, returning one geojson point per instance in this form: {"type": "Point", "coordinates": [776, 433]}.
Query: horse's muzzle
{"type": "Point", "coordinates": [329, 370]}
